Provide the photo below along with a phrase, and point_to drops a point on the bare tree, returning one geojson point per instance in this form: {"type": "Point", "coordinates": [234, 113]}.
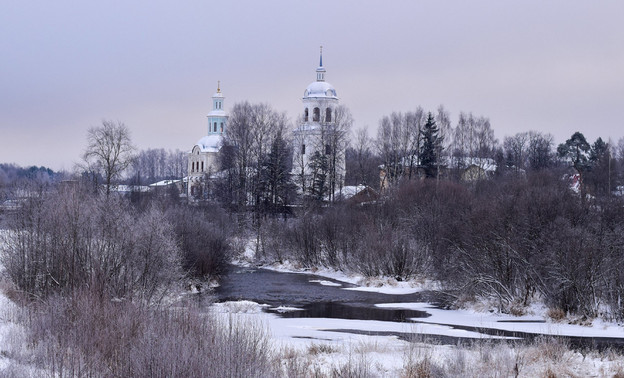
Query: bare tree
{"type": "Point", "coordinates": [540, 154]}
{"type": "Point", "coordinates": [399, 140]}
{"type": "Point", "coordinates": [336, 136]}
{"type": "Point", "coordinates": [361, 164]}
{"type": "Point", "coordinates": [473, 141]}
{"type": "Point", "coordinates": [252, 128]}
{"type": "Point", "coordinates": [619, 154]}
{"type": "Point", "coordinates": [109, 150]}
{"type": "Point", "coordinates": [445, 133]}
{"type": "Point", "coordinates": [516, 151]}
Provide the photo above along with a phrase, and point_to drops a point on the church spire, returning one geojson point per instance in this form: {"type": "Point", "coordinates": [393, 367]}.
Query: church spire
{"type": "Point", "coordinates": [320, 71]}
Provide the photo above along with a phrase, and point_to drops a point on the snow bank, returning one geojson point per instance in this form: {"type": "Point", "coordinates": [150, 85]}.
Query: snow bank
{"type": "Point", "coordinates": [528, 323]}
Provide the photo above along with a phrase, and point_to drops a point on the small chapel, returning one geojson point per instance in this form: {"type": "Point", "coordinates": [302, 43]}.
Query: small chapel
{"type": "Point", "coordinates": [203, 158]}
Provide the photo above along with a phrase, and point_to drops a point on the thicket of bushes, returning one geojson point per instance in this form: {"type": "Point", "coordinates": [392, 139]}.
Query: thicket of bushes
{"type": "Point", "coordinates": [92, 271]}
{"type": "Point", "coordinates": [83, 335]}
{"type": "Point", "coordinates": [68, 239]}
{"type": "Point", "coordinates": [512, 238]}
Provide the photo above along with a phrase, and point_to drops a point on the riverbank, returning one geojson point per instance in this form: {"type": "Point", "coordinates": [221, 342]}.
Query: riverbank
{"type": "Point", "coordinates": [480, 317]}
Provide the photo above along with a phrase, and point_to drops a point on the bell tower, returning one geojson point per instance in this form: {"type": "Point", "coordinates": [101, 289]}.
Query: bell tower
{"type": "Point", "coordinates": [217, 120]}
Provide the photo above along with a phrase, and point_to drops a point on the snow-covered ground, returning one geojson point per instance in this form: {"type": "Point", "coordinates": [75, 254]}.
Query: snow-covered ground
{"type": "Point", "coordinates": [13, 338]}
{"type": "Point", "coordinates": [528, 324]}
{"type": "Point", "coordinates": [325, 346]}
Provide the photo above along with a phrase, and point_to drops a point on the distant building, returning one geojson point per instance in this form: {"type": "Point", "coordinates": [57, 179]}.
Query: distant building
{"type": "Point", "coordinates": [475, 169]}
{"type": "Point", "coordinates": [203, 158]}
{"type": "Point", "coordinates": [469, 169]}
{"type": "Point", "coordinates": [357, 194]}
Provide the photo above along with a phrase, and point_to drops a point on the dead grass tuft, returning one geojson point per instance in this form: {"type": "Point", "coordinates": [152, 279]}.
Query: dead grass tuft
{"type": "Point", "coordinates": [316, 349]}
{"type": "Point", "coordinates": [556, 314]}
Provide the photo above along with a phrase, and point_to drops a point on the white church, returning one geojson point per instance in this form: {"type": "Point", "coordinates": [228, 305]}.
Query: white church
{"type": "Point", "coordinates": [203, 158]}
{"type": "Point", "coordinates": [313, 137]}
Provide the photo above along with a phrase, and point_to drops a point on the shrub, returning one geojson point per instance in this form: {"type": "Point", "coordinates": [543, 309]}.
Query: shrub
{"type": "Point", "coordinates": [67, 240]}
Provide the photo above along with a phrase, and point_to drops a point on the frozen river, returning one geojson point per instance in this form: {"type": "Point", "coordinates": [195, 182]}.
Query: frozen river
{"type": "Point", "coordinates": [330, 305]}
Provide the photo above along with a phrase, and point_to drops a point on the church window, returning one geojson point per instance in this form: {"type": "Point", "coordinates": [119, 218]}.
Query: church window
{"type": "Point", "coordinates": [317, 115]}
{"type": "Point", "coordinates": [202, 166]}
{"type": "Point", "coordinates": [303, 149]}
{"type": "Point", "coordinates": [192, 166]}
{"type": "Point", "coordinates": [221, 126]}
{"type": "Point", "coordinates": [215, 127]}
{"type": "Point", "coordinates": [305, 115]}
{"type": "Point", "coordinates": [328, 115]}
{"type": "Point", "coordinates": [327, 149]}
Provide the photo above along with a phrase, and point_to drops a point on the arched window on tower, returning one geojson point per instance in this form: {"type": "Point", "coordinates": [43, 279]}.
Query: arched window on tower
{"type": "Point", "coordinates": [221, 126]}
{"type": "Point", "coordinates": [317, 115]}
{"type": "Point", "coordinates": [305, 115]}
{"type": "Point", "coordinates": [202, 166]}
{"type": "Point", "coordinates": [328, 115]}
{"type": "Point", "coordinates": [215, 127]}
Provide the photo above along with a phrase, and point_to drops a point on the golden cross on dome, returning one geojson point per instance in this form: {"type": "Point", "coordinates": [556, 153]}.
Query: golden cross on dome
{"type": "Point", "coordinates": [219, 86]}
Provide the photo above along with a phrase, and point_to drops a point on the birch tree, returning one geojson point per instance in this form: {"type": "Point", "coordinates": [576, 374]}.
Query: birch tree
{"type": "Point", "coordinates": [109, 150]}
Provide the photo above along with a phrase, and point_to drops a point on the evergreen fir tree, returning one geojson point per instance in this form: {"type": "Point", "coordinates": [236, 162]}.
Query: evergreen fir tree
{"type": "Point", "coordinates": [275, 180]}
{"type": "Point", "coordinates": [430, 148]}
{"type": "Point", "coordinates": [319, 167]}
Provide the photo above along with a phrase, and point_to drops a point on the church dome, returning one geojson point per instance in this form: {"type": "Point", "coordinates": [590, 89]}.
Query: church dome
{"type": "Point", "coordinates": [210, 143]}
{"type": "Point", "coordinates": [320, 89]}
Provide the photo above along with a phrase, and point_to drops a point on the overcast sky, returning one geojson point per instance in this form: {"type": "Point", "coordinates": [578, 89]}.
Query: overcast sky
{"type": "Point", "coordinates": [552, 66]}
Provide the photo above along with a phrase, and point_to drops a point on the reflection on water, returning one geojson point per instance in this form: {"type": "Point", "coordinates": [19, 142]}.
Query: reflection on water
{"type": "Point", "coordinates": [338, 310]}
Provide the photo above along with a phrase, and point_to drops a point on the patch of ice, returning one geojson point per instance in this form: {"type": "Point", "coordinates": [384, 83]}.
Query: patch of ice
{"type": "Point", "coordinates": [326, 283]}
{"type": "Point", "coordinates": [282, 309]}
{"type": "Point", "coordinates": [386, 290]}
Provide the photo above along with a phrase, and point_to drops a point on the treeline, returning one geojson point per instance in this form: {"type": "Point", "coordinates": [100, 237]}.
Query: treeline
{"type": "Point", "coordinates": [156, 164]}
{"type": "Point", "coordinates": [514, 239]}
{"type": "Point", "coordinates": [11, 173]}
